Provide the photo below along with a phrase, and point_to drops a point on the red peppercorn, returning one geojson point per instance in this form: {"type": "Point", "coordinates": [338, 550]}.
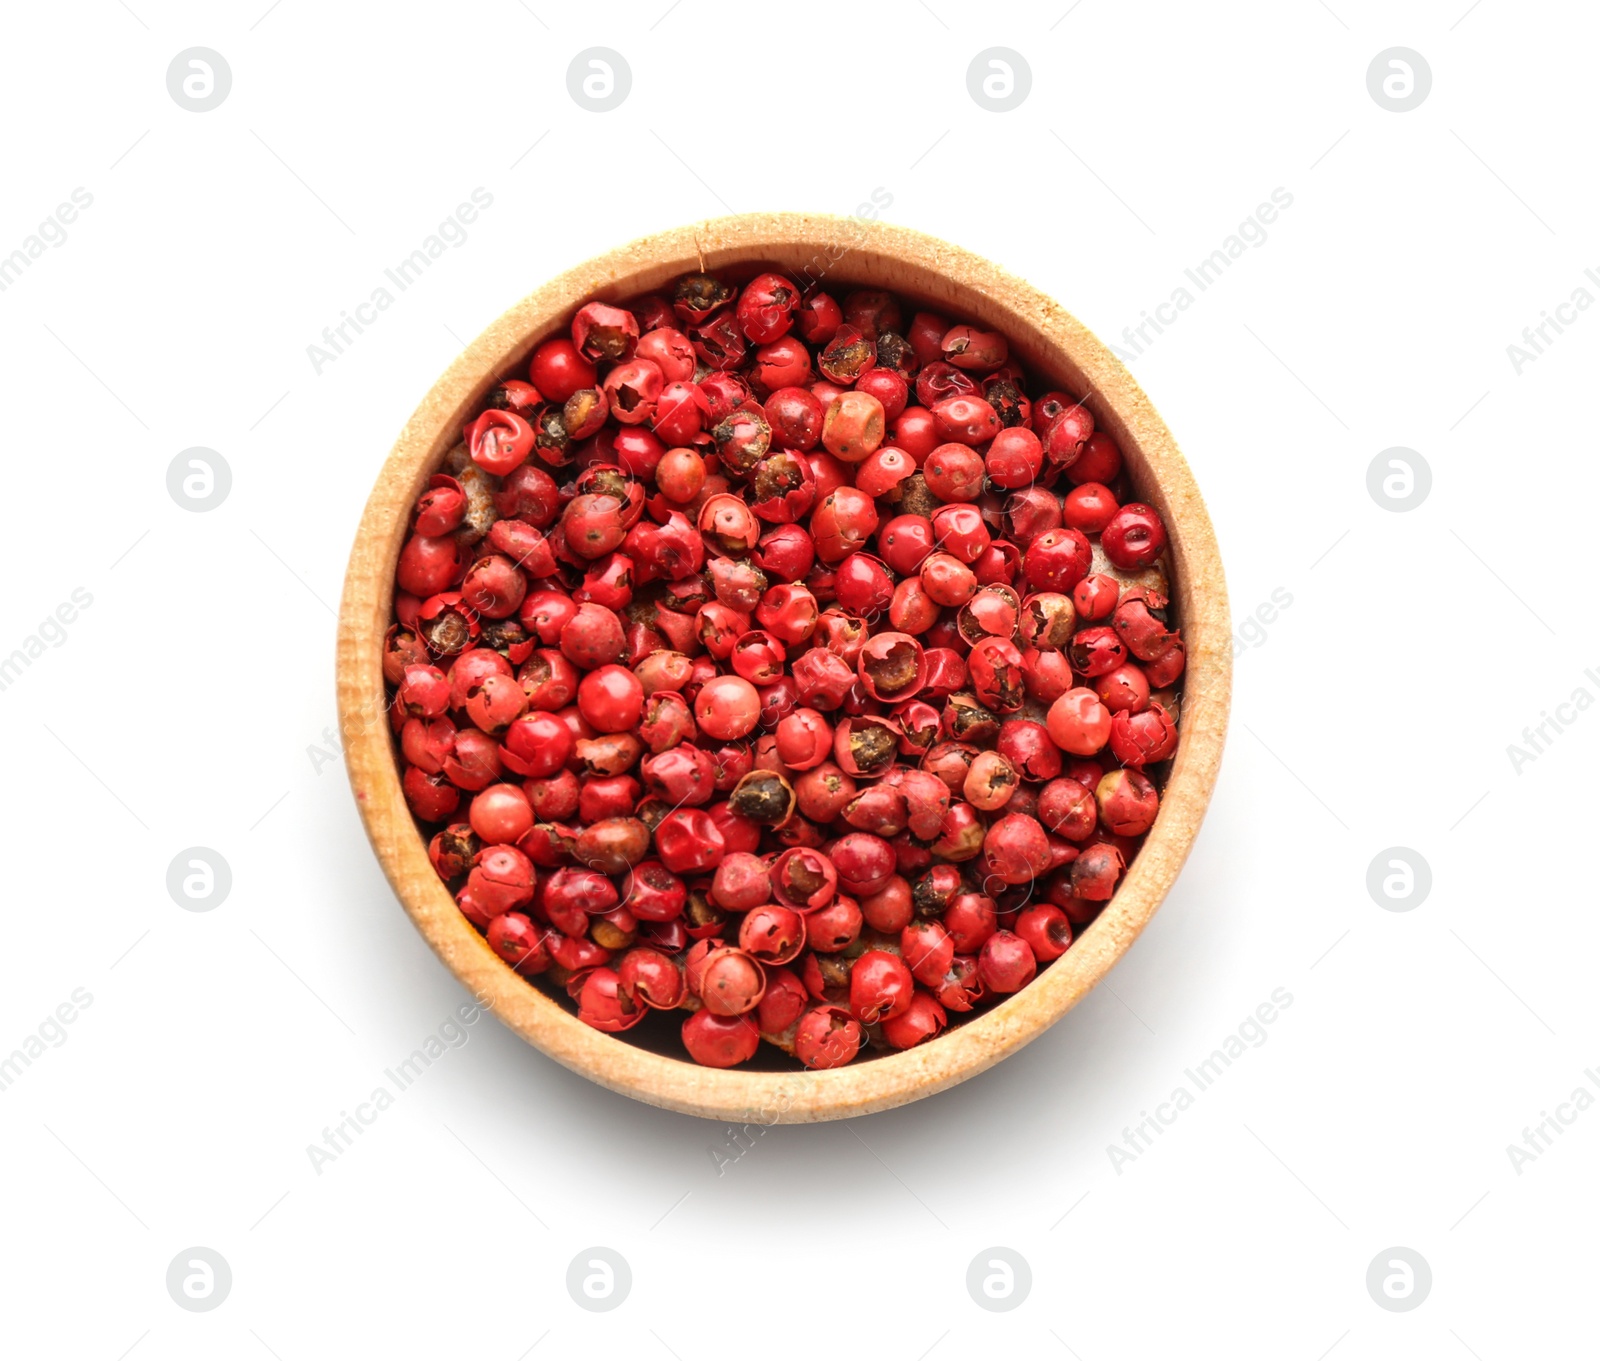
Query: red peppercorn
{"type": "Point", "coordinates": [730, 982]}
{"type": "Point", "coordinates": [501, 814]}
{"type": "Point", "coordinates": [924, 1019]}
{"type": "Point", "coordinates": [1015, 458]}
{"type": "Point", "coordinates": [783, 1003]}
{"type": "Point", "coordinates": [939, 380]}
{"type": "Point", "coordinates": [428, 565]}
{"type": "Point", "coordinates": [499, 441]}
{"type": "Point", "coordinates": [688, 841]}
{"type": "Point", "coordinates": [1079, 723]}
{"type": "Point", "coordinates": [1016, 850]}
{"type": "Point", "coordinates": [843, 521]}
{"type": "Point", "coordinates": [827, 1037]}
{"type": "Point", "coordinates": [881, 472]}
{"type": "Point", "coordinates": [1047, 930]}
{"type": "Point", "coordinates": [611, 699]}
{"type": "Point", "coordinates": [864, 863]}
{"type": "Point", "coordinates": [994, 667]}
{"type": "Point", "coordinates": [914, 431]}
{"type": "Point", "coordinates": [834, 927]}
{"type": "Point", "coordinates": [1096, 651]}
{"type": "Point", "coordinates": [881, 987]}
{"type": "Point", "coordinates": [1057, 560]}
{"type": "Point", "coordinates": [785, 362]}
{"type": "Point", "coordinates": [892, 666]}
{"type": "Point", "coordinates": [1124, 689]}
{"type": "Point", "coordinates": [887, 385]}
{"type": "Point", "coordinates": [766, 307]}
{"type": "Point", "coordinates": [785, 553]}
{"type": "Point", "coordinates": [804, 739]}
{"type": "Point", "coordinates": [1096, 871]}
{"type": "Point", "coordinates": [1095, 597]}
{"type": "Point", "coordinates": [1166, 669]}
{"type": "Point", "coordinates": [1134, 537]}
{"type": "Point", "coordinates": [441, 508]}
{"type": "Point", "coordinates": [653, 893]}
{"type": "Point", "coordinates": [430, 797]}
{"type": "Point", "coordinates": [1028, 747]}
{"type": "Point", "coordinates": [947, 580]}
{"type": "Point", "coordinates": [728, 525]}
{"type": "Point", "coordinates": [1128, 802]}
{"type": "Point", "coordinates": [635, 449]}
{"type": "Point", "coordinates": [558, 370]}
{"type": "Point", "coordinates": [962, 989]}
{"type": "Point", "coordinates": [474, 761]}
{"type": "Point", "coordinates": [424, 691]}
{"type": "Point", "coordinates": [1140, 621]}
{"type": "Point", "coordinates": [1089, 507]}
{"type": "Point", "coordinates": [554, 799]}
{"type": "Point", "coordinates": [600, 331]}
{"type": "Point", "coordinates": [818, 317]}
{"type": "Point", "coordinates": [804, 879]}
{"type": "Point", "coordinates": [502, 880]}
{"type": "Point", "coordinates": [846, 355]}
{"type": "Point", "coordinates": [592, 637]}
{"type": "Point", "coordinates": [795, 418]}
{"type": "Point", "coordinates": [928, 950]}
{"type": "Point", "coordinates": [966, 419]}
{"type": "Point", "coordinates": [720, 1041]}
{"type": "Point", "coordinates": [1067, 808]}
{"type": "Point", "coordinates": [519, 942]}
{"type": "Point", "coordinates": [1002, 389]}
{"type": "Point", "coordinates": [970, 919]}
{"type": "Point", "coordinates": [669, 350]}
{"type": "Point", "coordinates": [603, 1004]}
{"type": "Point", "coordinates": [862, 585]}
{"type": "Point", "coordinates": [727, 707]}
{"type": "Point", "coordinates": [649, 978]}
{"type": "Point", "coordinates": [454, 851]}
{"type": "Point", "coordinates": [1029, 513]}
{"type": "Point", "coordinates": [853, 426]}
{"type": "Point", "coordinates": [681, 775]}
{"type": "Point", "coordinates": [1006, 963]}
{"type": "Point", "coordinates": [954, 472]}
{"type": "Point", "coordinates": [994, 611]}
{"type": "Point", "coordinates": [536, 746]}
{"type": "Point", "coordinates": [890, 908]}
{"type": "Point", "coordinates": [1100, 461]}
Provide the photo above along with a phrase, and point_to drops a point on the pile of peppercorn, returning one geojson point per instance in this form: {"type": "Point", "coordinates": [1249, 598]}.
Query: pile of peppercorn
{"type": "Point", "coordinates": [785, 661]}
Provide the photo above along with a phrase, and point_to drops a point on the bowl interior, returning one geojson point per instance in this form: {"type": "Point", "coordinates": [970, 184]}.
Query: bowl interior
{"type": "Point", "coordinates": [836, 253]}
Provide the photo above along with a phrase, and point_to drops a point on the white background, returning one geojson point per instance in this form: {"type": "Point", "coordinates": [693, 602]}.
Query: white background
{"type": "Point", "coordinates": [184, 705]}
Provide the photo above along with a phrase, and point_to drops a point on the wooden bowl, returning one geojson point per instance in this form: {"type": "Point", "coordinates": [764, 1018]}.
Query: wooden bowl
{"type": "Point", "coordinates": [840, 252]}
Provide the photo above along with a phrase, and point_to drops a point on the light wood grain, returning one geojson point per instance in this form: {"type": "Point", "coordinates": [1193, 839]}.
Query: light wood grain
{"type": "Point", "coordinates": [845, 252]}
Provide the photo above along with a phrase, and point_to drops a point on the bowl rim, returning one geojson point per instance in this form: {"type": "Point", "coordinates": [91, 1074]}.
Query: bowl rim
{"type": "Point", "coordinates": [1049, 340]}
